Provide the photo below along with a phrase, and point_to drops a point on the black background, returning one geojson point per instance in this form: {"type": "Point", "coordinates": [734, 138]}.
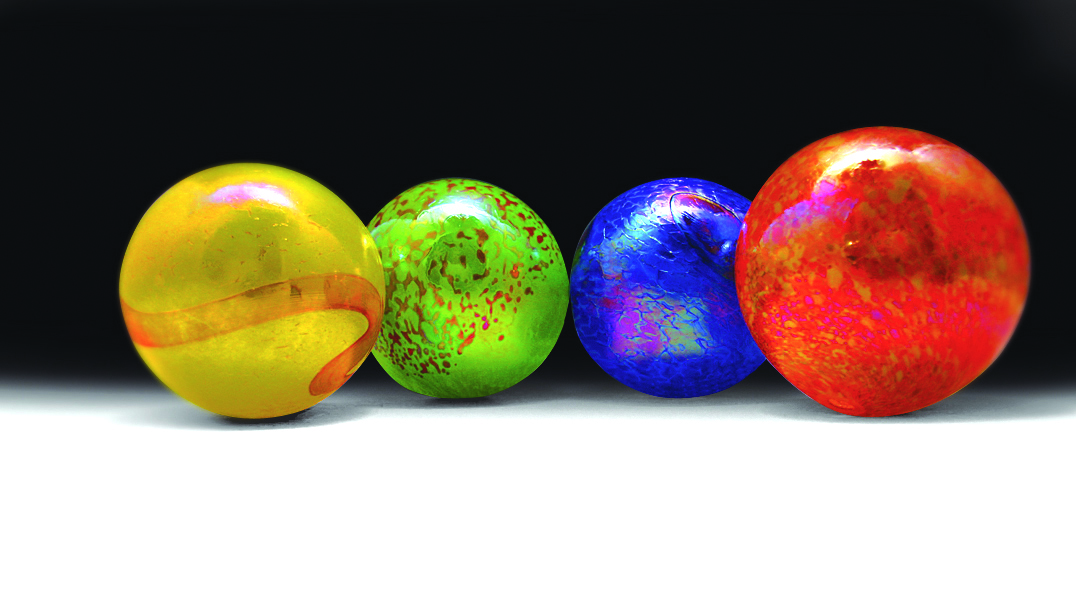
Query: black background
{"type": "Point", "coordinates": [564, 104]}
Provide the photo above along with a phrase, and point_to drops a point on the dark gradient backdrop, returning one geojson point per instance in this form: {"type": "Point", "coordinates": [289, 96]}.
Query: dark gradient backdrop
{"type": "Point", "coordinates": [566, 104]}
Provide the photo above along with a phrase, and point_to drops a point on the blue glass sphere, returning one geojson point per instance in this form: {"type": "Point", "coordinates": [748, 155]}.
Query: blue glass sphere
{"type": "Point", "coordinates": [652, 289]}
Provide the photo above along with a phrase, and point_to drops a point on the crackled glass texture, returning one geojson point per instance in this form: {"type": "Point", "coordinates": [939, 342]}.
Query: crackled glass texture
{"type": "Point", "coordinates": [477, 289]}
{"type": "Point", "coordinates": [882, 269]}
{"type": "Point", "coordinates": [652, 289]}
{"type": "Point", "coordinates": [251, 290]}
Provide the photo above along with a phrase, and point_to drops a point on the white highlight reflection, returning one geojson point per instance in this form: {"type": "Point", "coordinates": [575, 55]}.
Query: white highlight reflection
{"type": "Point", "coordinates": [237, 194]}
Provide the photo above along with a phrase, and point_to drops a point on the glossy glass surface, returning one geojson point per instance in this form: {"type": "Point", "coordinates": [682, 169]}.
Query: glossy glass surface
{"type": "Point", "coordinates": [882, 269]}
{"type": "Point", "coordinates": [251, 290]}
{"type": "Point", "coordinates": [477, 289]}
{"type": "Point", "coordinates": [652, 291]}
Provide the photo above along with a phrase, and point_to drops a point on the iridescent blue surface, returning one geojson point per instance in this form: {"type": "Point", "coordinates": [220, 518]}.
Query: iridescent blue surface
{"type": "Point", "coordinates": [652, 289]}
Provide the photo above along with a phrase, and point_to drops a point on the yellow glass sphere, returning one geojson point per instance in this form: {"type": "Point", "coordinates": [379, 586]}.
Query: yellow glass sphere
{"type": "Point", "coordinates": [251, 290]}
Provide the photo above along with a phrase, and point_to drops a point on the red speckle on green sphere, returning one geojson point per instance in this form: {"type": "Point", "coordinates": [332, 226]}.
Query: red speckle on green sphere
{"type": "Point", "coordinates": [881, 270]}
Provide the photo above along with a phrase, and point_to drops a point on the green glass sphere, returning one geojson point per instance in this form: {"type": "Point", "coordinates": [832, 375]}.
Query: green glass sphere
{"type": "Point", "coordinates": [476, 289]}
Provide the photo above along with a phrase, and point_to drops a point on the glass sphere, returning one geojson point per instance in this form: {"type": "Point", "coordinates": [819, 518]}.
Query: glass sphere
{"type": "Point", "coordinates": [477, 289]}
{"type": "Point", "coordinates": [251, 290]}
{"type": "Point", "coordinates": [652, 292]}
{"type": "Point", "coordinates": [882, 269]}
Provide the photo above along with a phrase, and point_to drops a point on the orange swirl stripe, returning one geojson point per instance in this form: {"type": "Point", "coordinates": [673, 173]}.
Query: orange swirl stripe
{"type": "Point", "coordinates": [262, 304]}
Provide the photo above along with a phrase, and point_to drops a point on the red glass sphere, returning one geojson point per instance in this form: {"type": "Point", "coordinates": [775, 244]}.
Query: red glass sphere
{"type": "Point", "coordinates": [881, 270]}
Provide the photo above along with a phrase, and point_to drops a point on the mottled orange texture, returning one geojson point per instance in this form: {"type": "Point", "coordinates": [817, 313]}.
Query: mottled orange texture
{"type": "Point", "coordinates": [882, 269]}
{"type": "Point", "coordinates": [262, 304]}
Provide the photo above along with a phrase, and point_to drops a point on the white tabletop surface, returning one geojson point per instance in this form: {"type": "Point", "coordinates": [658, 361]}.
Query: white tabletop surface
{"type": "Point", "coordinates": [564, 487]}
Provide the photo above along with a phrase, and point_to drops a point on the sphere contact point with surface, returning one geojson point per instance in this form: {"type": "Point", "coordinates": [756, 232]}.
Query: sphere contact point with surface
{"type": "Point", "coordinates": [652, 289]}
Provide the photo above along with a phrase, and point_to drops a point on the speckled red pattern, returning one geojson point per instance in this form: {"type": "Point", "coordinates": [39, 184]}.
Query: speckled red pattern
{"type": "Point", "coordinates": [476, 288]}
{"type": "Point", "coordinates": [881, 270]}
